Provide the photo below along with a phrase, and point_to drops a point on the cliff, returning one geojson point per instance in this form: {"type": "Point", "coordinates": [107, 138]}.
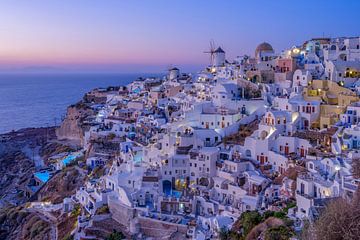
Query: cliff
{"type": "Point", "coordinates": [72, 128]}
{"type": "Point", "coordinates": [18, 160]}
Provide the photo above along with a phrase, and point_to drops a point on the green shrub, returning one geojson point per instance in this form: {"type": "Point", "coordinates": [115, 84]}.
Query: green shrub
{"type": "Point", "coordinates": [249, 220]}
{"type": "Point", "coordinates": [278, 233]}
{"type": "Point", "coordinates": [115, 236]}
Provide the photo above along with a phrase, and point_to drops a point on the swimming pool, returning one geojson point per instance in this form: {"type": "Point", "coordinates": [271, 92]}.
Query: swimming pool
{"type": "Point", "coordinates": [43, 176]}
{"type": "Point", "coordinates": [176, 194]}
{"type": "Point", "coordinates": [184, 221]}
{"type": "Point", "coordinates": [169, 192]}
{"type": "Point", "coordinates": [69, 159]}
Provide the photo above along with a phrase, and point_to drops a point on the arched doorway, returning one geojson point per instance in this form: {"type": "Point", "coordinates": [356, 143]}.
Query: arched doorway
{"type": "Point", "coordinates": [167, 187]}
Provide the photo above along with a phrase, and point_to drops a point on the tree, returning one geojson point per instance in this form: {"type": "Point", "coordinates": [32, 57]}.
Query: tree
{"type": "Point", "coordinates": [340, 219]}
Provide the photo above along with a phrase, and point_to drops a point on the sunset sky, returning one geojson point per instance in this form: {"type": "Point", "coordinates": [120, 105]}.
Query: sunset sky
{"type": "Point", "coordinates": [148, 36]}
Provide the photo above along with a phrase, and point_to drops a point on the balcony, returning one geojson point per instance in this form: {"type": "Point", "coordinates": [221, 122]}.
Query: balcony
{"type": "Point", "coordinates": [184, 150]}
{"type": "Point", "coordinates": [307, 196]}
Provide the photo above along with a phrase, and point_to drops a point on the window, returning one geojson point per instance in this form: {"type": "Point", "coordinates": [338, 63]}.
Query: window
{"type": "Point", "coordinates": [302, 188]}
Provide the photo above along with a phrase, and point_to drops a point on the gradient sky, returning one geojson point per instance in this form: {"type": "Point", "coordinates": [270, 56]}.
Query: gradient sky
{"type": "Point", "coordinates": [149, 35]}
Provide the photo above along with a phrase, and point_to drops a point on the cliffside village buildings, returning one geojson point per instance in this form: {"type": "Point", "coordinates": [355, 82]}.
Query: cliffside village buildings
{"type": "Point", "coordinates": [187, 154]}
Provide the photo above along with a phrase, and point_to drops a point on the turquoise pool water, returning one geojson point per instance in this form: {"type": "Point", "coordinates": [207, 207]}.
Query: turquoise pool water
{"type": "Point", "coordinates": [184, 221]}
{"type": "Point", "coordinates": [43, 176]}
{"type": "Point", "coordinates": [176, 194]}
{"type": "Point", "coordinates": [69, 159]}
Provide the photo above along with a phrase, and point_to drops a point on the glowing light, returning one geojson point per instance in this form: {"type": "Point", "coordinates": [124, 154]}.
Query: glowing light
{"type": "Point", "coordinates": [296, 50]}
{"type": "Point", "coordinates": [327, 193]}
{"type": "Point", "coordinates": [337, 168]}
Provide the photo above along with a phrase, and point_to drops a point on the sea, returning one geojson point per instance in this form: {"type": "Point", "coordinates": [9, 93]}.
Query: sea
{"type": "Point", "coordinates": [41, 99]}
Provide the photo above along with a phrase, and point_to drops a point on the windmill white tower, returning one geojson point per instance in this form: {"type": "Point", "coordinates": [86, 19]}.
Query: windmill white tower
{"type": "Point", "coordinates": [174, 73]}
{"type": "Point", "coordinates": [219, 57]}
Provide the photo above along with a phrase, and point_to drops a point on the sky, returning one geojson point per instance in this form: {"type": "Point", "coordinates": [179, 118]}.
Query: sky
{"type": "Point", "coordinates": [134, 36]}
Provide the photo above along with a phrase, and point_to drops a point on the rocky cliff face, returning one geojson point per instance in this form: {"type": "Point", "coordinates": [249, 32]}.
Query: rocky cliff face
{"type": "Point", "coordinates": [17, 223]}
{"type": "Point", "coordinates": [72, 128]}
{"type": "Point", "coordinates": [18, 159]}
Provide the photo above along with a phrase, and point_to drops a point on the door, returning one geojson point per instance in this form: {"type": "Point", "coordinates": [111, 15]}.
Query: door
{"type": "Point", "coordinates": [286, 150]}
{"type": "Point", "coordinates": [262, 160]}
{"type": "Point", "coordinates": [302, 152]}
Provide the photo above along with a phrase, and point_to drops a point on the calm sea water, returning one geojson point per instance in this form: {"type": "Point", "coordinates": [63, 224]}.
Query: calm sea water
{"type": "Point", "coordinates": [39, 100]}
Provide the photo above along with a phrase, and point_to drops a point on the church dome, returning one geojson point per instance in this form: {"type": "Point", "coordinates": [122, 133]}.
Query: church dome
{"type": "Point", "coordinates": [263, 47]}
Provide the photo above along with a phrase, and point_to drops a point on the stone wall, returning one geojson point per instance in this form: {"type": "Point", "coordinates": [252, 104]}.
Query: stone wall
{"type": "Point", "coordinates": [160, 229]}
{"type": "Point", "coordinates": [121, 213]}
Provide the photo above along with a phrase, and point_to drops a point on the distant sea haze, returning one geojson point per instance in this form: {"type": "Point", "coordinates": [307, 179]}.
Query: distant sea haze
{"type": "Point", "coordinates": [40, 100]}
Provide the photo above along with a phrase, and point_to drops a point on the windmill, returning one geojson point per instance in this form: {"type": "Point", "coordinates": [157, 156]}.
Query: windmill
{"type": "Point", "coordinates": [211, 51]}
{"type": "Point", "coordinates": [173, 72]}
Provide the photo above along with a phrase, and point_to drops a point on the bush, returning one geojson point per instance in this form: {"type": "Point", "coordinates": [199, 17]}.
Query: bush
{"type": "Point", "coordinates": [268, 214]}
{"type": "Point", "coordinates": [76, 211]}
{"type": "Point", "coordinates": [278, 233]}
{"type": "Point", "coordinates": [115, 236]}
{"type": "Point", "coordinates": [288, 206]}
{"type": "Point", "coordinates": [249, 220]}
{"type": "Point", "coordinates": [280, 215]}
{"type": "Point", "coordinates": [102, 210]}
